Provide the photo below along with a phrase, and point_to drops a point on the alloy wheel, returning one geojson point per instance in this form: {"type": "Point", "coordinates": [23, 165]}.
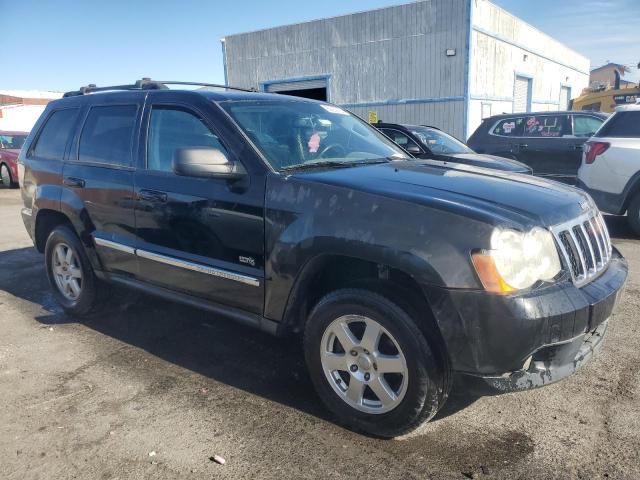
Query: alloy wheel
{"type": "Point", "coordinates": [67, 272]}
{"type": "Point", "coordinates": [364, 364]}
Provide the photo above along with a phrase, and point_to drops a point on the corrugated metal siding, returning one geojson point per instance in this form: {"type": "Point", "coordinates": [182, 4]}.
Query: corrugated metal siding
{"type": "Point", "coordinates": [388, 54]}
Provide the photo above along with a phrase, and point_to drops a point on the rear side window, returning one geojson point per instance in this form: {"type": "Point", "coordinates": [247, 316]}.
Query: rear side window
{"type": "Point", "coordinates": [622, 125]}
{"type": "Point", "coordinates": [546, 126]}
{"type": "Point", "coordinates": [53, 138]}
{"type": "Point", "coordinates": [172, 128]}
{"type": "Point", "coordinates": [510, 127]}
{"type": "Point", "coordinates": [584, 126]}
{"type": "Point", "coordinates": [107, 135]}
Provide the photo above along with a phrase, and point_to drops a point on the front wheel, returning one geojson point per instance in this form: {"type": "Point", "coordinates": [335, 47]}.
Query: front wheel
{"type": "Point", "coordinates": [371, 364]}
{"type": "Point", "coordinates": [70, 273]}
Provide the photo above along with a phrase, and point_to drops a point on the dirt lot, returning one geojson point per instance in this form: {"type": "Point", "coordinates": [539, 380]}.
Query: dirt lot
{"type": "Point", "coordinates": [94, 399]}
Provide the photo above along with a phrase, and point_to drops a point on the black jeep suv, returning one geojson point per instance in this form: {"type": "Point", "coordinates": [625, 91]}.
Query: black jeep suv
{"type": "Point", "coordinates": [295, 216]}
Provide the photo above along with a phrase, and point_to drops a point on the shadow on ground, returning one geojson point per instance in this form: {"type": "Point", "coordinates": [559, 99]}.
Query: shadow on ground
{"type": "Point", "coordinates": [204, 343]}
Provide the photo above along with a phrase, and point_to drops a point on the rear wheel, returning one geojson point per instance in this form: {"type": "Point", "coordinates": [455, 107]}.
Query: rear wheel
{"type": "Point", "coordinates": [5, 174]}
{"type": "Point", "coordinates": [70, 273]}
{"type": "Point", "coordinates": [371, 365]}
{"type": "Point", "coordinates": [633, 214]}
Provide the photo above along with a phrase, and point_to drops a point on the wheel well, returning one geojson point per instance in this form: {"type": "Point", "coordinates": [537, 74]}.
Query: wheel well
{"type": "Point", "coordinates": [46, 221]}
{"type": "Point", "coordinates": [633, 191]}
{"type": "Point", "coordinates": [330, 273]}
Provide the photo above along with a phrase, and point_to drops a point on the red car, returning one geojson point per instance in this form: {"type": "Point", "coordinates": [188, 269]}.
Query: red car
{"type": "Point", "coordinates": [10, 145]}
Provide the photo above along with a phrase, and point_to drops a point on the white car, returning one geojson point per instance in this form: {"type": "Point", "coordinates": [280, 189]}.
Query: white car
{"type": "Point", "coordinates": [610, 170]}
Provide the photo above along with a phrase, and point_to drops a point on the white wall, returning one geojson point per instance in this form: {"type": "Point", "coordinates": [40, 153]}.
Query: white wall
{"type": "Point", "coordinates": [502, 46]}
{"type": "Point", "coordinates": [20, 118]}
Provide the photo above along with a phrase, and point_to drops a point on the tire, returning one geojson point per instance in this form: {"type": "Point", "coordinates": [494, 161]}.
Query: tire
{"type": "Point", "coordinates": [418, 392]}
{"type": "Point", "coordinates": [5, 175]}
{"type": "Point", "coordinates": [633, 214]}
{"type": "Point", "coordinates": [74, 268]}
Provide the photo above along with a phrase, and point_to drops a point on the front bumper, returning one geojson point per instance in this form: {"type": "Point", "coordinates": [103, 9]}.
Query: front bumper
{"type": "Point", "coordinates": [516, 342]}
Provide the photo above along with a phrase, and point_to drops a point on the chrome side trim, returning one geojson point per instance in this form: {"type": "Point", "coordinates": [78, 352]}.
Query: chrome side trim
{"type": "Point", "coordinates": [114, 245]}
{"type": "Point", "coordinates": [27, 211]}
{"type": "Point", "coordinates": [196, 267]}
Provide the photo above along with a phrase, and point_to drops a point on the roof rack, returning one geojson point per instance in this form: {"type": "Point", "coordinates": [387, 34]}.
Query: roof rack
{"type": "Point", "coordinates": [146, 84]}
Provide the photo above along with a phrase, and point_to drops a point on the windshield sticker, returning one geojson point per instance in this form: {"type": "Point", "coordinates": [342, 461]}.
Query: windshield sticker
{"type": "Point", "coordinates": [508, 127]}
{"type": "Point", "coordinates": [334, 109]}
{"type": "Point", "coordinates": [314, 142]}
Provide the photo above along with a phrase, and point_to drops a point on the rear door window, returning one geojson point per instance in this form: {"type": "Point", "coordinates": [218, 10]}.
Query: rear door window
{"type": "Point", "coordinates": [585, 126]}
{"type": "Point", "coordinates": [546, 126]}
{"type": "Point", "coordinates": [107, 135]}
{"type": "Point", "coordinates": [622, 125]}
{"type": "Point", "coordinates": [509, 127]}
{"type": "Point", "coordinates": [53, 138]}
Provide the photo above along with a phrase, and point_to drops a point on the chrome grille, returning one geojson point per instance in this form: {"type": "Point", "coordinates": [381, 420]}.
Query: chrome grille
{"type": "Point", "coordinates": [585, 246]}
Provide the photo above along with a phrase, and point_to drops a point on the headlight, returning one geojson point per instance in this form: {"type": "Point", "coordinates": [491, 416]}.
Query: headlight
{"type": "Point", "coordinates": [517, 260]}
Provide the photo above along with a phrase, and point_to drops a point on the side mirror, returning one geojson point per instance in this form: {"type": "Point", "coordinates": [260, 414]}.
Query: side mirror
{"type": "Point", "coordinates": [414, 149]}
{"type": "Point", "coordinates": [206, 162]}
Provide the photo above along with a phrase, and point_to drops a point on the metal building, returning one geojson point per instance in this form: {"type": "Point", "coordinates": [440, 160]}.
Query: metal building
{"type": "Point", "coordinates": [447, 63]}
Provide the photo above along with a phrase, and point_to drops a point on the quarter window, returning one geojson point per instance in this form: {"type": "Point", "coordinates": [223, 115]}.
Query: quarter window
{"type": "Point", "coordinates": [107, 135]}
{"type": "Point", "coordinates": [510, 127]}
{"type": "Point", "coordinates": [171, 129]}
{"type": "Point", "coordinates": [584, 126]}
{"type": "Point", "coordinates": [54, 135]}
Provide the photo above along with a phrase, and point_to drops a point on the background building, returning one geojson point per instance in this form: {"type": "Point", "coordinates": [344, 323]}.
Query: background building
{"type": "Point", "coordinates": [447, 63]}
{"type": "Point", "coordinates": [20, 109]}
{"type": "Point", "coordinates": [610, 76]}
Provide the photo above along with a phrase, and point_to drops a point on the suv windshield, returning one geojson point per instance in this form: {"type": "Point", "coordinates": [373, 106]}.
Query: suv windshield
{"type": "Point", "coordinates": [439, 142]}
{"type": "Point", "coordinates": [12, 141]}
{"type": "Point", "coordinates": [295, 134]}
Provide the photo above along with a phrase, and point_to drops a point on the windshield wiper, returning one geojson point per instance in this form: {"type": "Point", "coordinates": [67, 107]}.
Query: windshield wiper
{"type": "Point", "coordinates": [334, 163]}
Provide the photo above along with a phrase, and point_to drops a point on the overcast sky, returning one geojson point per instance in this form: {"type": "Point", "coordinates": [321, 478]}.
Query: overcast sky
{"type": "Point", "coordinates": [62, 44]}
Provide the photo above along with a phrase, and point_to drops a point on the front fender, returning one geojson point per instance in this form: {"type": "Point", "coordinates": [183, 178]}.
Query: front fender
{"type": "Point", "coordinates": [307, 220]}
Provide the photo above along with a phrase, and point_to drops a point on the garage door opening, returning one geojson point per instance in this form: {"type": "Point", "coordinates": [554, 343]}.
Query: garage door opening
{"type": "Point", "coordinates": [313, 93]}
{"type": "Point", "coordinates": [313, 88]}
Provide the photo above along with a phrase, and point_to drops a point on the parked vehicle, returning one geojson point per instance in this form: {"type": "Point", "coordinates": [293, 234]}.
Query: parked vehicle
{"type": "Point", "coordinates": [10, 145]}
{"type": "Point", "coordinates": [548, 142]}
{"type": "Point", "coordinates": [610, 169]}
{"type": "Point", "coordinates": [294, 216]}
{"type": "Point", "coordinates": [432, 143]}
{"type": "Point", "coordinates": [606, 100]}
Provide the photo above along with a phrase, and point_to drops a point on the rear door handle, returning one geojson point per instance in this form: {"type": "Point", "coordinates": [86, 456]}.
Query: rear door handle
{"type": "Point", "coordinates": [523, 146]}
{"type": "Point", "coordinates": [73, 182]}
{"type": "Point", "coordinates": [576, 147]}
{"type": "Point", "coordinates": [152, 196]}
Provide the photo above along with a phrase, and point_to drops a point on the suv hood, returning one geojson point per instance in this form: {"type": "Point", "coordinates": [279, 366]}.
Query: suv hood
{"type": "Point", "coordinates": [487, 161]}
{"type": "Point", "coordinates": [490, 195]}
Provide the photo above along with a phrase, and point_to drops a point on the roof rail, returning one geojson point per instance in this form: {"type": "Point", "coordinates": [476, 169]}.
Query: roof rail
{"type": "Point", "coordinates": [145, 84]}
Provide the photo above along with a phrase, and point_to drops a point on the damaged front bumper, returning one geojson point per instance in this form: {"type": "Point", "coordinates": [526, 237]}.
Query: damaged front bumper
{"type": "Point", "coordinates": [548, 365]}
{"type": "Point", "coordinates": [505, 343]}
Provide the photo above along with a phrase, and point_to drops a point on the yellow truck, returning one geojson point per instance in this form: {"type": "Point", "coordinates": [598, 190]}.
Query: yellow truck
{"type": "Point", "coordinates": [606, 100]}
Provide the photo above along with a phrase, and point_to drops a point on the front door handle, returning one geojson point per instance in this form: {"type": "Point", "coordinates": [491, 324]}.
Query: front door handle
{"type": "Point", "coordinates": [523, 146]}
{"type": "Point", "coordinates": [73, 182]}
{"type": "Point", "coordinates": [152, 196]}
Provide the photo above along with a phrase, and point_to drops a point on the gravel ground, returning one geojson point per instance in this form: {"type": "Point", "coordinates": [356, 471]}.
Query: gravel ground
{"type": "Point", "coordinates": [94, 399]}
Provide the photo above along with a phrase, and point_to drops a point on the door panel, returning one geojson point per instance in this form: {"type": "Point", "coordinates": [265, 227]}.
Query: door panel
{"type": "Point", "coordinates": [202, 236]}
{"type": "Point", "coordinates": [548, 148]}
{"type": "Point", "coordinates": [99, 176]}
